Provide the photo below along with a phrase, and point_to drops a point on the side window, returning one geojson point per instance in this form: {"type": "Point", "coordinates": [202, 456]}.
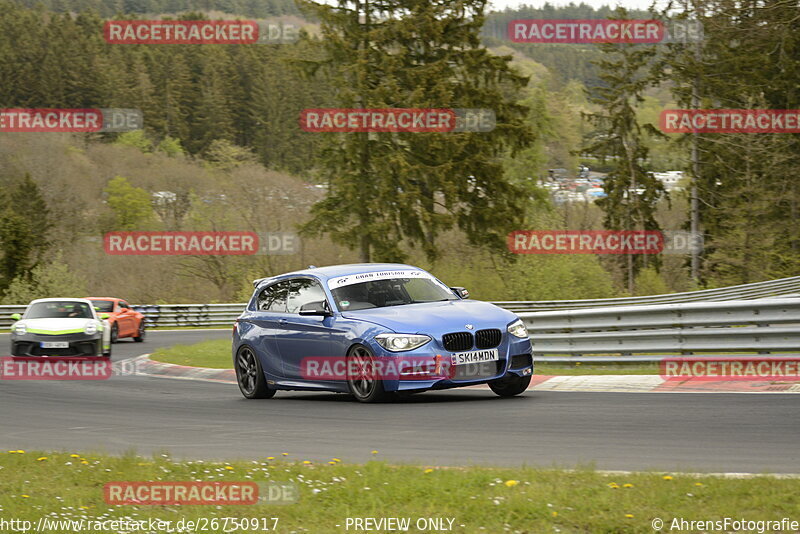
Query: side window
{"type": "Point", "coordinates": [273, 298]}
{"type": "Point", "coordinates": [304, 291]}
{"type": "Point", "coordinates": [123, 304]}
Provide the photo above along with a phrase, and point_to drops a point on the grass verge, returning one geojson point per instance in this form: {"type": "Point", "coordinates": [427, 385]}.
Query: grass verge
{"type": "Point", "coordinates": [215, 354]}
{"type": "Point", "coordinates": [589, 368]}
{"type": "Point", "coordinates": [70, 487]}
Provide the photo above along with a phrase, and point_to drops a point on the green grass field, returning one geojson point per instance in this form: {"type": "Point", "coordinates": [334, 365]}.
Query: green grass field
{"type": "Point", "coordinates": [217, 355]}
{"type": "Point", "coordinates": [589, 368]}
{"type": "Point", "coordinates": [478, 499]}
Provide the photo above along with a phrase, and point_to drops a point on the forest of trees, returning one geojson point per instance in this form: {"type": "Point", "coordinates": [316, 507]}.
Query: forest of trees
{"type": "Point", "coordinates": [248, 95]}
{"type": "Point", "coordinates": [217, 116]}
{"type": "Point", "coordinates": [110, 8]}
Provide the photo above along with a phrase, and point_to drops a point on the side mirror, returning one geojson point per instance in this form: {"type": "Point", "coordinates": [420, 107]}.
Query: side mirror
{"type": "Point", "coordinates": [16, 316]}
{"type": "Point", "coordinates": [461, 292]}
{"type": "Point", "coordinates": [316, 308]}
{"type": "Point", "coordinates": [104, 316]}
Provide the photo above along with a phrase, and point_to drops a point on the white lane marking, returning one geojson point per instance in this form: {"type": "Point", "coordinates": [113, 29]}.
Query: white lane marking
{"type": "Point", "coordinates": [195, 378]}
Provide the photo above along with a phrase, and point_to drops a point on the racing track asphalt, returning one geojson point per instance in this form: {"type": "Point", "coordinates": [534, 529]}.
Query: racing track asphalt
{"type": "Point", "coordinates": [618, 431]}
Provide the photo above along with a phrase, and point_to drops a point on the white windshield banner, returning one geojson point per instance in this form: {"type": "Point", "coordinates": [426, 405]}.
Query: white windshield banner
{"type": "Point", "coordinates": [351, 279]}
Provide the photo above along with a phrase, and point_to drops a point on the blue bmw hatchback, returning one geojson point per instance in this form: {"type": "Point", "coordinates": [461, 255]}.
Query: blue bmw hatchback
{"type": "Point", "coordinates": [375, 331]}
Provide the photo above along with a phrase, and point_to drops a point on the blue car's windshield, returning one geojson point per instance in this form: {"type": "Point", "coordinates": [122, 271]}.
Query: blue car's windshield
{"type": "Point", "coordinates": [390, 292]}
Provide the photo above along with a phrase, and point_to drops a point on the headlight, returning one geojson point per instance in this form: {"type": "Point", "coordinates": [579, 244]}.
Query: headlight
{"type": "Point", "coordinates": [20, 329]}
{"type": "Point", "coordinates": [90, 328]}
{"type": "Point", "coordinates": [401, 342]}
{"type": "Point", "coordinates": [517, 329]}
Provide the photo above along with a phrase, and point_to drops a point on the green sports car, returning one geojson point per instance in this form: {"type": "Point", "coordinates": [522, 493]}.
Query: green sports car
{"type": "Point", "coordinates": [60, 327]}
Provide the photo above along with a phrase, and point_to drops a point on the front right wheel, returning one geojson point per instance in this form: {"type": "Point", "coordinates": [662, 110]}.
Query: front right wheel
{"type": "Point", "coordinates": [250, 376]}
{"type": "Point", "coordinates": [510, 385]}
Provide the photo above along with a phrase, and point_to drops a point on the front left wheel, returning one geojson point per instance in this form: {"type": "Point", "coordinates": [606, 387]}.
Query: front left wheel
{"type": "Point", "coordinates": [250, 376]}
{"type": "Point", "coordinates": [139, 337]}
{"type": "Point", "coordinates": [510, 385]}
{"type": "Point", "coordinates": [363, 378]}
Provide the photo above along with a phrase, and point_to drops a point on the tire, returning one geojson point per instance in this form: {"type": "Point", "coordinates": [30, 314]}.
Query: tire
{"type": "Point", "coordinates": [510, 385]}
{"type": "Point", "coordinates": [139, 337]}
{"type": "Point", "coordinates": [363, 386]}
{"type": "Point", "coordinates": [250, 376]}
{"type": "Point", "coordinates": [114, 333]}
{"type": "Point", "coordinates": [105, 353]}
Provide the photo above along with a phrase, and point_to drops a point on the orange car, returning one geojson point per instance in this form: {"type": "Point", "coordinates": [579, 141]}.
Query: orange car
{"type": "Point", "coordinates": [124, 320]}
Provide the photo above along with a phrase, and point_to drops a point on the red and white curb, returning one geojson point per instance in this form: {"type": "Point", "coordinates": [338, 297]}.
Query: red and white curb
{"type": "Point", "coordinates": [588, 383]}
{"type": "Point", "coordinates": [147, 367]}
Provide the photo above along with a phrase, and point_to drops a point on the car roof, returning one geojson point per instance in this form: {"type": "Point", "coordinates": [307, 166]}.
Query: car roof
{"type": "Point", "coordinates": [62, 299]}
{"type": "Point", "coordinates": [113, 299]}
{"type": "Point", "coordinates": [332, 271]}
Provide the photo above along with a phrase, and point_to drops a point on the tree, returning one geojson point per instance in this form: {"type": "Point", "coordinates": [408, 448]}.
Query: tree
{"type": "Point", "coordinates": [137, 139]}
{"type": "Point", "coordinates": [24, 229]}
{"type": "Point", "coordinates": [528, 165]}
{"type": "Point", "coordinates": [47, 280]}
{"type": "Point", "coordinates": [650, 282]}
{"type": "Point", "coordinates": [170, 146]}
{"type": "Point", "coordinates": [224, 155]}
{"type": "Point", "coordinates": [387, 190]}
{"type": "Point", "coordinates": [749, 197]}
{"type": "Point", "coordinates": [131, 205]}
{"type": "Point", "coordinates": [632, 190]}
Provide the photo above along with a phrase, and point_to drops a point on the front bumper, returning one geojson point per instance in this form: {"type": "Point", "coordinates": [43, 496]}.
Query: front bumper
{"type": "Point", "coordinates": [515, 358]}
{"type": "Point", "coordinates": [79, 344]}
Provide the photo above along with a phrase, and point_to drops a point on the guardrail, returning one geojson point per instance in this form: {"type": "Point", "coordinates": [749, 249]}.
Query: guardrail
{"type": "Point", "coordinates": [758, 290]}
{"type": "Point", "coordinates": [176, 315]}
{"type": "Point", "coordinates": [182, 315]}
{"type": "Point", "coordinates": [762, 326]}
{"type": "Point", "coordinates": [165, 315]}
{"type": "Point", "coordinates": [5, 314]}
{"type": "Point", "coordinates": [618, 332]}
